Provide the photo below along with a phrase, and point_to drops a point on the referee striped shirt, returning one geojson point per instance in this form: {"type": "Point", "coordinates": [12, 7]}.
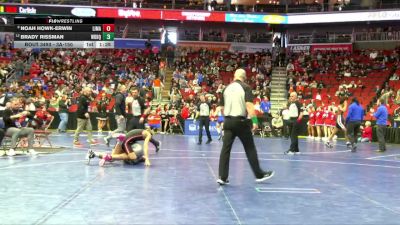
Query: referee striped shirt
{"type": "Point", "coordinates": [234, 99]}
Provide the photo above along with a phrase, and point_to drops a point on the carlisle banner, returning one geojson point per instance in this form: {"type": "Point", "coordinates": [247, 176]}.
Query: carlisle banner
{"type": "Point", "coordinates": [48, 10]}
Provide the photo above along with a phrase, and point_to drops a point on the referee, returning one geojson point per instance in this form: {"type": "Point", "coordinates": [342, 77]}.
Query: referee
{"type": "Point", "coordinates": [237, 105]}
{"type": "Point", "coordinates": [294, 123]}
{"type": "Point", "coordinates": [203, 114]}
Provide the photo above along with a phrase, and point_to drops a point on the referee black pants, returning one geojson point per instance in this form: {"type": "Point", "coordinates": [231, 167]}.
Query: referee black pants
{"type": "Point", "coordinates": [204, 121]}
{"type": "Point", "coordinates": [353, 128]}
{"type": "Point", "coordinates": [238, 127]}
{"type": "Point", "coordinates": [294, 130]}
{"type": "Point", "coordinates": [381, 133]}
{"type": "Point", "coordinates": [134, 123]}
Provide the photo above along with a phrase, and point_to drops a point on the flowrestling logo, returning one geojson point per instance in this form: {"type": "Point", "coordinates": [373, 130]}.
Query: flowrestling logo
{"type": "Point", "coordinates": [129, 13]}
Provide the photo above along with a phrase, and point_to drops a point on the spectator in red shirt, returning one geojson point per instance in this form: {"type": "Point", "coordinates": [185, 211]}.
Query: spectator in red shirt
{"type": "Point", "coordinates": [42, 118]}
{"type": "Point", "coordinates": [154, 120]}
{"type": "Point", "coordinates": [366, 133]}
{"type": "Point", "coordinates": [185, 113]}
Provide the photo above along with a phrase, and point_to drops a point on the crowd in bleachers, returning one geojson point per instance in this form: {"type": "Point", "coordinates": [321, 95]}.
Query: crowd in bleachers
{"type": "Point", "coordinates": [54, 78]}
{"type": "Point", "coordinates": [325, 78]}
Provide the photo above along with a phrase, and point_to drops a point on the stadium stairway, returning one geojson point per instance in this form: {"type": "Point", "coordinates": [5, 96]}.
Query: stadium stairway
{"type": "Point", "coordinates": [278, 89]}
{"type": "Point", "coordinates": [165, 91]}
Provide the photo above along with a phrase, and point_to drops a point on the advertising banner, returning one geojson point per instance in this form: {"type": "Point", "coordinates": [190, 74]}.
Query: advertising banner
{"type": "Point", "coordinates": [297, 48]}
{"type": "Point", "coordinates": [195, 45]}
{"type": "Point", "coordinates": [332, 47]}
{"type": "Point", "coordinates": [194, 16]}
{"type": "Point", "coordinates": [192, 128]}
{"type": "Point", "coordinates": [164, 14]}
{"type": "Point", "coordinates": [249, 47]}
{"type": "Point", "coordinates": [48, 10]}
{"type": "Point", "coordinates": [128, 13]}
{"type": "Point", "coordinates": [379, 15]}
{"type": "Point", "coordinates": [255, 18]}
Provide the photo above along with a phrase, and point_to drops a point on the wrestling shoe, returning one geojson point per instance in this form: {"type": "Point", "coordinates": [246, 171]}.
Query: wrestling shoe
{"type": "Point", "coordinates": [380, 151]}
{"type": "Point", "coordinates": [92, 142]}
{"type": "Point", "coordinates": [11, 152]}
{"type": "Point", "coordinates": [328, 144]}
{"type": "Point", "coordinates": [106, 141]}
{"type": "Point", "coordinates": [290, 152]}
{"type": "Point", "coordinates": [106, 158]}
{"type": "Point", "coordinates": [158, 146]}
{"type": "Point", "coordinates": [77, 144]}
{"type": "Point", "coordinates": [222, 182]}
{"type": "Point", "coordinates": [89, 155]}
{"type": "Point", "coordinates": [266, 176]}
{"type": "Point", "coordinates": [32, 152]}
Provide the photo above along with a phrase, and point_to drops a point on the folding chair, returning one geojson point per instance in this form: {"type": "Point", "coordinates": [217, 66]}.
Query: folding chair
{"type": "Point", "coordinates": [266, 126]}
{"type": "Point", "coordinates": [259, 131]}
{"type": "Point", "coordinates": [174, 124]}
{"type": "Point", "coordinates": [43, 134]}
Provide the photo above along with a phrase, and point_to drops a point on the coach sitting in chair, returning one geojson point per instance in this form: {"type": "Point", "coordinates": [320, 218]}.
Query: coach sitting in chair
{"type": "Point", "coordinates": [277, 125]}
{"type": "Point", "coordinates": [13, 128]}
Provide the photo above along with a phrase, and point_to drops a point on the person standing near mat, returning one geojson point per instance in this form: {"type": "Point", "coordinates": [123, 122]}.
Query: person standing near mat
{"type": "Point", "coordinates": [203, 115]}
{"type": "Point", "coordinates": [381, 116]}
{"type": "Point", "coordinates": [296, 115]}
{"type": "Point", "coordinates": [1, 135]}
{"type": "Point", "coordinates": [83, 117]}
{"type": "Point", "coordinates": [139, 111]}
{"type": "Point", "coordinates": [120, 114]}
{"type": "Point", "coordinates": [237, 106]}
{"type": "Point", "coordinates": [354, 118]}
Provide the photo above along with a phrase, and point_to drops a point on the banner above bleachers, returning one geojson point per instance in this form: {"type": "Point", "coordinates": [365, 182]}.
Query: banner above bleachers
{"type": "Point", "coordinates": [185, 15]}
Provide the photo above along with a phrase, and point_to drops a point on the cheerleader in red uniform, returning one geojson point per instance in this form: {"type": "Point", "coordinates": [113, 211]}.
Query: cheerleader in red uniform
{"type": "Point", "coordinates": [319, 122]}
{"type": "Point", "coordinates": [311, 122]}
{"type": "Point", "coordinates": [213, 113]}
{"type": "Point", "coordinates": [325, 117]}
{"type": "Point", "coordinates": [339, 122]}
{"type": "Point", "coordinates": [332, 120]}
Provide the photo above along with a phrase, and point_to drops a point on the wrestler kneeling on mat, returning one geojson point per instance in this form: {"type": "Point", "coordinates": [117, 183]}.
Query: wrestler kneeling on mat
{"type": "Point", "coordinates": [128, 149]}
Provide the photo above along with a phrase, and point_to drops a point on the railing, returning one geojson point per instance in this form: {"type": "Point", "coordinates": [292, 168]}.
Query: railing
{"type": "Point", "coordinates": [377, 36]}
{"type": "Point", "coordinates": [320, 38]}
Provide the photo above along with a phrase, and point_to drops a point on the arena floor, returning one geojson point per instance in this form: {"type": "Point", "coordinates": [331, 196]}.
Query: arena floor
{"type": "Point", "coordinates": [320, 186]}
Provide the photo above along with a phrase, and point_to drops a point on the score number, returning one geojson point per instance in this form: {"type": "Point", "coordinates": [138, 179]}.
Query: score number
{"type": "Point", "coordinates": [108, 32]}
{"type": "Point", "coordinates": [108, 27]}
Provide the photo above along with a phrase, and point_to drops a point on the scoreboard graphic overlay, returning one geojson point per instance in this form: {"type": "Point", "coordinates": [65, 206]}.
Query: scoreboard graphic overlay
{"type": "Point", "coordinates": [64, 33]}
